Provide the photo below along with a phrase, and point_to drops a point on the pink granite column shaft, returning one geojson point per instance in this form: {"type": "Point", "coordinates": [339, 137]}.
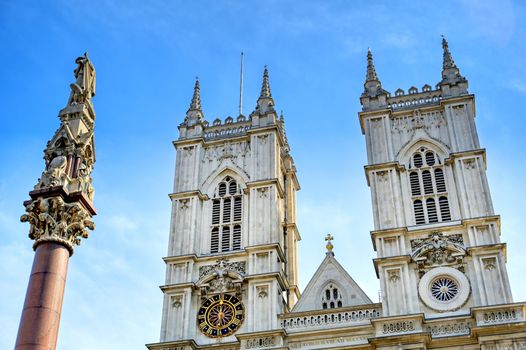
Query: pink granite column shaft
{"type": "Point", "coordinates": [40, 319]}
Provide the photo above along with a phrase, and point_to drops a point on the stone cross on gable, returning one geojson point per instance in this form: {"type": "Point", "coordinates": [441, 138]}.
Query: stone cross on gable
{"type": "Point", "coordinates": [329, 238]}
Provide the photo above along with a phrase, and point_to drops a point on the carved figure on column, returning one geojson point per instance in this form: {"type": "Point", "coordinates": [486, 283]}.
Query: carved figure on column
{"type": "Point", "coordinates": [84, 88]}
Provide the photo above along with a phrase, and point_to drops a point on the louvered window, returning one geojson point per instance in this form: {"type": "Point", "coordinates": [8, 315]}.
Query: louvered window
{"type": "Point", "coordinates": [415, 183]}
{"type": "Point", "coordinates": [417, 160]}
{"type": "Point", "coordinates": [439, 180]}
{"type": "Point", "coordinates": [428, 182]}
{"type": "Point", "coordinates": [331, 297]}
{"type": "Point", "coordinates": [419, 212]}
{"type": "Point", "coordinates": [237, 238]}
{"type": "Point", "coordinates": [237, 208]}
{"type": "Point", "coordinates": [225, 239]}
{"type": "Point", "coordinates": [214, 245]}
{"type": "Point", "coordinates": [216, 209]}
{"type": "Point", "coordinates": [431, 210]}
{"type": "Point", "coordinates": [428, 188]}
{"type": "Point", "coordinates": [227, 210]}
{"type": "Point", "coordinates": [444, 208]}
{"type": "Point", "coordinates": [430, 158]}
{"type": "Point", "coordinates": [227, 214]}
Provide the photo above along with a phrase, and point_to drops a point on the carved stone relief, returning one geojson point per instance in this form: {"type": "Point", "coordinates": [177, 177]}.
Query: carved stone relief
{"type": "Point", "coordinates": [177, 301]}
{"type": "Point", "coordinates": [489, 263]}
{"type": "Point", "coordinates": [222, 277]}
{"type": "Point", "coordinates": [262, 291]}
{"type": "Point", "coordinates": [382, 175]}
{"type": "Point", "coordinates": [236, 152]}
{"type": "Point", "coordinates": [437, 250]}
{"type": "Point", "coordinates": [393, 275]}
{"type": "Point", "coordinates": [470, 163]}
{"type": "Point", "coordinates": [432, 125]}
{"type": "Point", "coordinates": [263, 139]}
{"type": "Point", "coordinates": [263, 192]}
{"type": "Point", "coordinates": [183, 204]}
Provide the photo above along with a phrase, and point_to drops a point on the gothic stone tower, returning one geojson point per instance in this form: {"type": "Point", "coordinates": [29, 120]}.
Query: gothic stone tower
{"type": "Point", "coordinates": [436, 235]}
{"type": "Point", "coordinates": [59, 212]}
{"type": "Point", "coordinates": [231, 264]}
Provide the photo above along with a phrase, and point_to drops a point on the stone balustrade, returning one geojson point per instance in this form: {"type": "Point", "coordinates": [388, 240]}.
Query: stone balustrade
{"type": "Point", "coordinates": [329, 318]}
{"type": "Point", "coordinates": [398, 325]}
{"type": "Point", "coordinates": [226, 130]}
{"type": "Point", "coordinates": [448, 328]}
{"type": "Point", "coordinates": [407, 101]}
{"type": "Point", "coordinates": [498, 314]}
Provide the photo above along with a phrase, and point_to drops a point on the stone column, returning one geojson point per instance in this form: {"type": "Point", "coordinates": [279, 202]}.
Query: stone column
{"type": "Point", "coordinates": [60, 212]}
{"type": "Point", "coordinates": [40, 319]}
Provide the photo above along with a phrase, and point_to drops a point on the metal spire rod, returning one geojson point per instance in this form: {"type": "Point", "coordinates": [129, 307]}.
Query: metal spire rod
{"type": "Point", "coordinates": [241, 85]}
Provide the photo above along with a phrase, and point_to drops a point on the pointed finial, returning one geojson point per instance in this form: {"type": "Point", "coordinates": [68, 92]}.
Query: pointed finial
{"type": "Point", "coordinates": [265, 86]}
{"type": "Point", "coordinates": [329, 238]}
{"type": "Point", "coordinates": [194, 113]}
{"type": "Point", "coordinates": [451, 74]}
{"type": "Point", "coordinates": [265, 103]}
{"type": "Point", "coordinates": [196, 98]}
{"type": "Point", "coordinates": [372, 86]}
{"type": "Point", "coordinates": [371, 71]}
{"type": "Point", "coordinates": [448, 59]}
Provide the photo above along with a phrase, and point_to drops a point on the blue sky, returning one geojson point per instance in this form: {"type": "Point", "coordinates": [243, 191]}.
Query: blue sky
{"type": "Point", "coordinates": [147, 54]}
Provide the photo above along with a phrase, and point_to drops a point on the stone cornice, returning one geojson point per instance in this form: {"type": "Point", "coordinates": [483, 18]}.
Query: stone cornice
{"type": "Point", "coordinates": [186, 344]}
{"type": "Point", "coordinates": [464, 154]}
{"type": "Point", "coordinates": [386, 233]}
{"type": "Point", "coordinates": [380, 167]}
{"type": "Point", "coordinates": [243, 253]}
{"type": "Point", "coordinates": [456, 99]}
{"type": "Point", "coordinates": [487, 248]}
{"type": "Point", "coordinates": [266, 247]}
{"type": "Point", "coordinates": [390, 260]}
{"type": "Point", "coordinates": [266, 182]}
{"type": "Point", "coordinates": [68, 197]}
{"type": "Point", "coordinates": [188, 194]}
{"type": "Point", "coordinates": [189, 141]}
{"type": "Point", "coordinates": [377, 113]}
{"type": "Point", "coordinates": [176, 286]}
{"type": "Point", "coordinates": [273, 332]}
{"type": "Point", "coordinates": [294, 227]}
{"type": "Point", "coordinates": [441, 226]}
{"type": "Point", "coordinates": [208, 257]}
{"type": "Point", "coordinates": [284, 283]}
{"type": "Point", "coordinates": [180, 258]}
{"type": "Point", "coordinates": [447, 226]}
{"type": "Point", "coordinates": [296, 290]}
{"type": "Point", "coordinates": [272, 127]}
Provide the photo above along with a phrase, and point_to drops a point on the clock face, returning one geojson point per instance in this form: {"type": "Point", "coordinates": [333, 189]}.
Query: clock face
{"type": "Point", "coordinates": [220, 316]}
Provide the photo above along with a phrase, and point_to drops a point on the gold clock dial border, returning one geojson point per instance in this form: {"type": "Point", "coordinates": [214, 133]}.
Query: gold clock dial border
{"type": "Point", "coordinates": [203, 318]}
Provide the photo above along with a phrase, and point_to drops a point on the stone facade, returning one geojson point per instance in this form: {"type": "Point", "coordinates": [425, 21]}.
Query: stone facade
{"type": "Point", "coordinates": [440, 261]}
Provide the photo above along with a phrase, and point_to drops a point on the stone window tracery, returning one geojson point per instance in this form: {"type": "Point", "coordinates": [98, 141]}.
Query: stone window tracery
{"type": "Point", "coordinates": [331, 297]}
{"type": "Point", "coordinates": [428, 188]}
{"type": "Point", "coordinates": [227, 207]}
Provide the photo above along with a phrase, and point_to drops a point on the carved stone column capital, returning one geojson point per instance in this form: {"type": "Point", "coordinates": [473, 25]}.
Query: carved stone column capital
{"type": "Point", "coordinates": [54, 220]}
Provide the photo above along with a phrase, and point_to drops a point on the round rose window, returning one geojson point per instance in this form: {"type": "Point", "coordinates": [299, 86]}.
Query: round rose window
{"type": "Point", "coordinates": [444, 289]}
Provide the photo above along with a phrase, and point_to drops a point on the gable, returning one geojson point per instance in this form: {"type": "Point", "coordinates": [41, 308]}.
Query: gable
{"type": "Point", "coordinates": [329, 276]}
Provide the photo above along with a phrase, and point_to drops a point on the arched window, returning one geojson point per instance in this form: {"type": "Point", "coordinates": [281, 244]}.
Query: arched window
{"type": "Point", "coordinates": [331, 297]}
{"type": "Point", "coordinates": [428, 188]}
{"type": "Point", "coordinates": [227, 205]}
